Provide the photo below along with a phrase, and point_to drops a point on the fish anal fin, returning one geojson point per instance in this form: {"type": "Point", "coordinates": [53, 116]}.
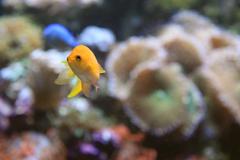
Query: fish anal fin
{"type": "Point", "coordinates": [76, 89]}
{"type": "Point", "coordinates": [86, 89]}
{"type": "Point", "coordinates": [101, 70]}
{"type": "Point", "coordinates": [96, 88]}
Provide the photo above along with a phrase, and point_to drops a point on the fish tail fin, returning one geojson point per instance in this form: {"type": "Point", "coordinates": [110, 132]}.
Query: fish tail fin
{"type": "Point", "coordinates": [76, 89]}
{"type": "Point", "coordinates": [86, 89]}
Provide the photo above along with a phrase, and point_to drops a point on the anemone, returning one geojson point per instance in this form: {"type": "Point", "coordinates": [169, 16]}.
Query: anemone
{"type": "Point", "coordinates": [125, 57]}
{"type": "Point", "coordinates": [162, 100]}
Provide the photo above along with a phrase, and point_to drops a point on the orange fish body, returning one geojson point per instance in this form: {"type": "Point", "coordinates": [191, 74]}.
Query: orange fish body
{"type": "Point", "coordinates": [83, 64]}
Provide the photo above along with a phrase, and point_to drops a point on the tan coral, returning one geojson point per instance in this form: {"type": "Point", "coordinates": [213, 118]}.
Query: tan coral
{"type": "Point", "coordinates": [19, 36]}
{"type": "Point", "coordinates": [208, 34]}
{"type": "Point", "coordinates": [162, 100]}
{"type": "Point", "coordinates": [125, 57]}
{"type": "Point", "coordinates": [220, 82]}
{"type": "Point", "coordinates": [215, 38]}
{"type": "Point", "coordinates": [183, 48]}
{"type": "Point", "coordinates": [192, 21]}
{"type": "Point", "coordinates": [43, 70]}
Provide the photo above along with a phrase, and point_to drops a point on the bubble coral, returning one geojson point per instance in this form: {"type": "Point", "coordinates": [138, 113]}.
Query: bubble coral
{"type": "Point", "coordinates": [5, 112]}
{"type": "Point", "coordinates": [162, 100]}
{"type": "Point", "coordinates": [19, 37]}
{"type": "Point", "coordinates": [102, 38]}
{"type": "Point", "coordinates": [14, 71]}
{"type": "Point", "coordinates": [13, 78]}
{"type": "Point", "coordinates": [219, 80]}
{"type": "Point", "coordinates": [24, 101]}
{"type": "Point", "coordinates": [31, 145]}
{"type": "Point", "coordinates": [76, 115]}
{"type": "Point", "coordinates": [125, 57]}
{"type": "Point", "coordinates": [43, 70]}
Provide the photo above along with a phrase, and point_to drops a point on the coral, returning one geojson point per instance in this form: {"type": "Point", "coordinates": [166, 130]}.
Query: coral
{"type": "Point", "coordinates": [54, 5]}
{"type": "Point", "coordinates": [170, 4]}
{"type": "Point", "coordinates": [76, 115]}
{"type": "Point", "coordinates": [107, 140]}
{"type": "Point", "coordinates": [19, 37]}
{"type": "Point", "coordinates": [212, 153]}
{"type": "Point", "coordinates": [14, 71]}
{"type": "Point", "coordinates": [192, 21]}
{"type": "Point", "coordinates": [57, 36]}
{"type": "Point", "coordinates": [133, 151]}
{"type": "Point", "coordinates": [117, 135]}
{"type": "Point", "coordinates": [219, 81]}
{"type": "Point", "coordinates": [43, 70]}
{"type": "Point", "coordinates": [210, 35]}
{"type": "Point", "coordinates": [125, 57]}
{"type": "Point", "coordinates": [215, 38]}
{"type": "Point", "coordinates": [5, 112]}
{"type": "Point", "coordinates": [86, 151]}
{"type": "Point", "coordinates": [183, 48]}
{"type": "Point", "coordinates": [162, 100]}
{"type": "Point", "coordinates": [101, 38]}
{"type": "Point", "coordinates": [13, 78]}
{"type": "Point", "coordinates": [31, 145]}
{"type": "Point", "coordinates": [24, 101]}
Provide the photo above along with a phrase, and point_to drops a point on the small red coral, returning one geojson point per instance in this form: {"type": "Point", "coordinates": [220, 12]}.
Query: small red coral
{"type": "Point", "coordinates": [125, 135]}
{"type": "Point", "coordinates": [135, 152]}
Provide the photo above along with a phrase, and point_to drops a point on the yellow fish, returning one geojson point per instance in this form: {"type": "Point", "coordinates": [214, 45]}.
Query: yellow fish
{"type": "Point", "coordinates": [81, 63]}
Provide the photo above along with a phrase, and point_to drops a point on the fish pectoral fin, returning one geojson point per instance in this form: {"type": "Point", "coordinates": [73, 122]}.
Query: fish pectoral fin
{"type": "Point", "coordinates": [64, 62]}
{"type": "Point", "coordinates": [64, 77]}
{"type": "Point", "coordinates": [86, 89]}
{"type": "Point", "coordinates": [101, 70]}
{"type": "Point", "coordinates": [76, 89]}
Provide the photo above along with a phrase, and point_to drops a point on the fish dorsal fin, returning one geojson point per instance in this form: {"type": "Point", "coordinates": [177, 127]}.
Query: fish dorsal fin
{"type": "Point", "coordinates": [76, 89]}
{"type": "Point", "coordinates": [101, 70]}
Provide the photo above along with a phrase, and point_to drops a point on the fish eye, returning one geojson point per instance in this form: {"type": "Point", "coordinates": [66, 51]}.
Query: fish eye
{"type": "Point", "coordinates": [78, 58]}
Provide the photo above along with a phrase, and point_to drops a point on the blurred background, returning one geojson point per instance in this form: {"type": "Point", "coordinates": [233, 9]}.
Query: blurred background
{"type": "Point", "coordinates": [171, 90]}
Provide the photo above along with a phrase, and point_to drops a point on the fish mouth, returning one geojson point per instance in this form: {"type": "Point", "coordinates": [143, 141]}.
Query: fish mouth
{"type": "Point", "coordinates": [69, 59]}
